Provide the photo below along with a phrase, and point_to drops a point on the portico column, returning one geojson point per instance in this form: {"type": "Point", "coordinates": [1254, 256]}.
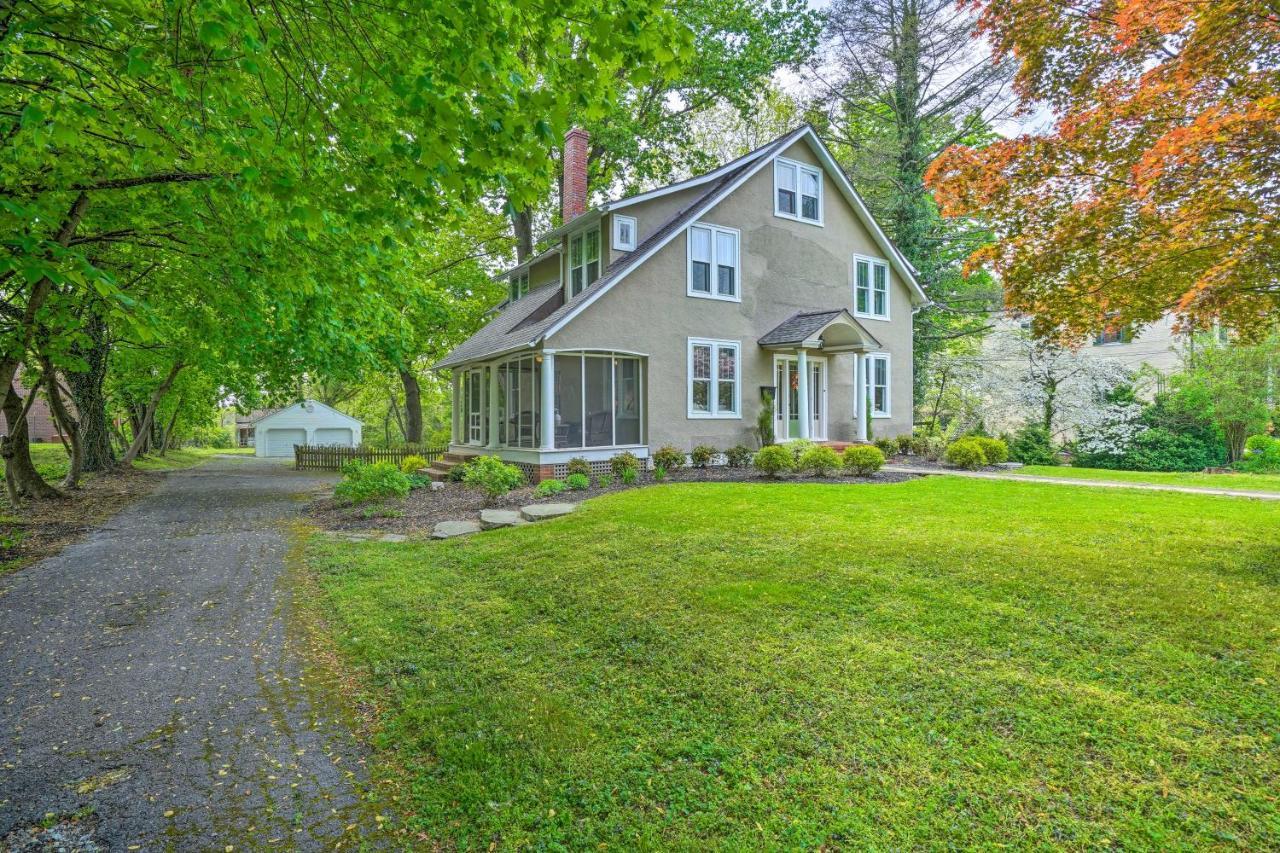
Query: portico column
{"type": "Point", "coordinates": [548, 401]}
{"type": "Point", "coordinates": [493, 407]}
{"type": "Point", "coordinates": [860, 393]}
{"type": "Point", "coordinates": [802, 401]}
{"type": "Point", "coordinates": [454, 385]}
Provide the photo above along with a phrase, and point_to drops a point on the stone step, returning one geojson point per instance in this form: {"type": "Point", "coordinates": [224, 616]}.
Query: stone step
{"type": "Point", "coordinates": [539, 512]}
{"type": "Point", "coordinates": [450, 529]}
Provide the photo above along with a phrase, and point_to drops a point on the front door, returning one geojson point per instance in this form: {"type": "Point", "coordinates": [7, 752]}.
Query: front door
{"type": "Point", "coordinates": [786, 401]}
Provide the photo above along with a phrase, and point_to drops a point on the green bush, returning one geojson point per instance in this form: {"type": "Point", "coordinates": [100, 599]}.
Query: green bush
{"type": "Point", "coordinates": [819, 461]}
{"type": "Point", "coordinates": [774, 460]}
{"type": "Point", "coordinates": [547, 488]}
{"type": "Point", "coordinates": [703, 455]}
{"type": "Point", "coordinates": [492, 475]}
{"type": "Point", "coordinates": [605, 481]}
{"type": "Point", "coordinates": [410, 464]}
{"type": "Point", "coordinates": [1032, 445]}
{"type": "Point", "coordinates": [798, 446]}
{"type": "Point", "coordinates": [1261, 453]}
{"type": "Point", "coordinates": [362, 482]}
{"type": "Point", "coordinates": [887, 446]}
{"type": "Point", "coordinates": [863, 459]}
{"type": "Point", "coordinates": [994, 449]}
{"type": "Point", "coordinates": [669, 458]}
{"type": "Point", "coordinates": [738, 456]}
{"type": "Point", "coordinates": [659, 473]}
{"type": "Point", "coordinates": [456, 473]}
{"type": "Point", "coordinates": [629, 476]}
{"type": "Point", "coordinates": [904, 443]}
{"type": "Point", "coordinates": [1161, 450]}
{"type": "Point", "coordinates": [966, 453]}
{"type": "Point", "coordinates": [419, 481]}
{"type": "Point", "coordinates": [623, 462]}
{"type": "Point", "coordinates": [578, 482]}
{"type": "Point", "coordinates": [578, 465]}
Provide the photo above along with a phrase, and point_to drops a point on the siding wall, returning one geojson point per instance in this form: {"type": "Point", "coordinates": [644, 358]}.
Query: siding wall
{"type": "Point", "coordinates": [296, 417]}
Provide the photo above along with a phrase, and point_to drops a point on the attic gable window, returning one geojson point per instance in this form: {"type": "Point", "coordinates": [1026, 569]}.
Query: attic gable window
{"type": "Point", "coordinates": [518, 286]}
{"type": "Point", "coordinates": [797, 191]}
{"type": "Point", "coordinates": [624, 233]}
{"type": "Point", "coordinates": [584, 260]}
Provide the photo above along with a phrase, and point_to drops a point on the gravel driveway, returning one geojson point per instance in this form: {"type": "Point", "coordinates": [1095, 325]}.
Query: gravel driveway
{"type": "Point", "coordinates": [146, 684]}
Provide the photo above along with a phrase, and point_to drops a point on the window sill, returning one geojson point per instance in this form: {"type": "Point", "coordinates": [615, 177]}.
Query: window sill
{"type": "Point", "coordinates": [708, 416]}
{"type": "Point", "coordinates": [861, 315]}
{"type": "Point", "coordinates": [818, 222]}
{"type": "Point", "coordinates": [697, 295]}
{"type": "Point", "coordinates": [880, 416]}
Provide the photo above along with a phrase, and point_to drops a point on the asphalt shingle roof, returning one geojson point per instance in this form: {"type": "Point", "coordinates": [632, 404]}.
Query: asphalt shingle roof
{"type": "Point", "coordinates": [802, 326]}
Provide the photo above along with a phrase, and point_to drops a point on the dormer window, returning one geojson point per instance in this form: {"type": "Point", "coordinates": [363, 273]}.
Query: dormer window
{"type": "Point", "coordinates": [584, 260]}
{"type": "Point", "coordinates": [624, 233]}
{"type": "Point", "coordinates": [797, 191]}
{"type": "Point", "coordinates": [518, 285]}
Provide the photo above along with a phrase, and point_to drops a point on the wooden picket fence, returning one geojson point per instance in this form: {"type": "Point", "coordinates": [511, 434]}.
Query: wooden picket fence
{"type": "Point", "coordinates": [308, 457]}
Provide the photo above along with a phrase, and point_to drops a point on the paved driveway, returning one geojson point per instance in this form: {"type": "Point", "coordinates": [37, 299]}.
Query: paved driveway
{"type": "Point", "coordinates": [146, 680]}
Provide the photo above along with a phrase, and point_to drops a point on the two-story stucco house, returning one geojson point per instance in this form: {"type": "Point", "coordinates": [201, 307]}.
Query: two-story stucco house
{"type": "Point", "coordinates": [671, 317]}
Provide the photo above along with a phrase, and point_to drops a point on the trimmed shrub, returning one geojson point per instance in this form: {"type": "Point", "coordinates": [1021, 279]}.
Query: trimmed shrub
{"type": "Point", "coordinates": [659, 473]}
{"type": "Point", "coordinates": [669, 458]}
{"type": "Point", "coordinates": [887, 446]}
{"type": "Point", "coordinates": [547, 488]}
{"type": "Point", "coordinates": [578, 465]}
{"type": "Point", "coordinates": [412, 463]}
{"type": "Point", "coordinates": [863, 460]}
{"type": "Point", "coordinates": [738, 456]}
{"type": "Point", "coordinates": [578, 482]}
{"type": "Point", "coordinates": [966, 453]}
{"type": "Point", "coordinates": [362, 482]}
{"type": "Point", "coordinates": [819, 461]}
{"type": "Point", "coordinates": [624, 461]}
{"type": "Point", "coordinates": [994, 449]}
{"type": "Point", "coordinates": [774, 460]}
{"type": "Point", "coordinates": [703, 455]}
{"type": "Point", "coordinates": [629, 476]}
{"type": "Point", "coordinates": [904, 443]}
{"type": "Point", "coordinates": [798, 446]}
{"type": "Point", "coordinates": [492, 475]}
{"type": "Point", "coordinates": [605, 481]}
{"type": "Point", "coordinates": [1161, 450]}
{"type": "Point", "coordinates": [456, 473]}
{"type": "Point", "coordinates": [1031, 445]}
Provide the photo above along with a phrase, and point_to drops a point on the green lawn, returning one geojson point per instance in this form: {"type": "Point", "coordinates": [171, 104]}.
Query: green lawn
{"type": "Point", "coordinates": [1239, 481]}
{"type": "Point", "coordinates": [945, 662]}
{"type": "Point", "coordinates": [51, 459]}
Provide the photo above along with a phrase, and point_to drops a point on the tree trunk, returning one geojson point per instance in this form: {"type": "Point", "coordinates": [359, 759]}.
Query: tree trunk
{"type": "Point", "coordinates": [67, 425]}
{"type": "Point", "coordinates": [412, 408]}
{"type": "Point", "coordinates": [167, 436]}
{"type": "Point", "coordinates": [141, 437]}
{"type": "Point", "coordinates": [88, 397]}
{"type": "Point", "coordinates": [20, 472]}
{"type": "Point", "coordinates": [522, 225]}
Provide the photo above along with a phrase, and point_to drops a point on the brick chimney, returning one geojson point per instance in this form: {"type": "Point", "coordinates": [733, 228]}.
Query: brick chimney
{"type": "Point", "coordinates": [573, 192]}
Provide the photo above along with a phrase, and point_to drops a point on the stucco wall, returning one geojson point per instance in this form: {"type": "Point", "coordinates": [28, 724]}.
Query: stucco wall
{"type": "Point", "coordinates": [787, 267]}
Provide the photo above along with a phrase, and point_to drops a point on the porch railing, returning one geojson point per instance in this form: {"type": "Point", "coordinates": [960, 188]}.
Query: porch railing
{"type": "Point", "coordinates": [332, 458]}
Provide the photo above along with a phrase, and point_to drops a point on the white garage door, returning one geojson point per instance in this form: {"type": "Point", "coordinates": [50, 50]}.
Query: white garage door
{"type": "Point", "coordinates": [340, 436]}
{"type": "Point", "coordinates": [280, 442]}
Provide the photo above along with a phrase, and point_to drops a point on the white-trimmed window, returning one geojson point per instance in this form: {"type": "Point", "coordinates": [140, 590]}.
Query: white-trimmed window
{"type": "Point", "coordinates": [870, 288]}
{"type": "Point", "coordinates": [797, 191]}
{"type": "Point", "coordinates": [876, 366]}
{"type": "Point", "coordinates": [519, 284]}
{"type": "Point", "coordinates": [715, 386]}
{"type": "Point", "coordinates": [584, 260]}
{"type": "Point", "coordinates": [624, 233]}
{"type": "Point", "coordinates": [714, 271]}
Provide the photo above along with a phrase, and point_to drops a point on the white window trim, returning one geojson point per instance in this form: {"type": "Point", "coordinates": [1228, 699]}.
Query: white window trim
{"type": "Point", "coordinates": [871, 293]}
{"type": "Point", "coordinates": [714, 393]}
{"type": "Point", "coordinates": [799, 167]}
{"type": "Point", "coordinates": [715, 263]}
{"type": "Point", "coordinates": [870, 387]}
{"type": "Point", "coordinates": [618, 243]}
{"type": "Point", "coordinates": [568, 261]}
{"type": "Point", "coordinates": [514, 289]}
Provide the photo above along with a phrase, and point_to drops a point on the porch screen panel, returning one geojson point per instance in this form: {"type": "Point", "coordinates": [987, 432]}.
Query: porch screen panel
{"type": "Point", "coordinates": [568, 401]}
{"type": "Point", "coordinates": [598, 376]}
{"type": "Point", "coordinates": [626, 407]}
{"type": "Point", "coordinates": [503, 408]}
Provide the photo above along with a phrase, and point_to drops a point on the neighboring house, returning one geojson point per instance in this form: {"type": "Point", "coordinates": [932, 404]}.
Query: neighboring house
{"type": "Point", "coordinates": [41, 426]}
{"type": "Point", "coordinates": [669, 317]}
{"type": "Point", "coordinates": [309, 422]}
{"type": "Point", "coordinates": [241, 426]}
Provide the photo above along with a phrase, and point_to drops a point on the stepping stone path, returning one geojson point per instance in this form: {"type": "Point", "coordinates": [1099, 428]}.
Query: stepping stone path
{"type": "Point", "coordinates": [492, 518]}
{"type": "Point", "coordinates": [539, 512]}
{"type": "Point", "coordinates": [450, 529]}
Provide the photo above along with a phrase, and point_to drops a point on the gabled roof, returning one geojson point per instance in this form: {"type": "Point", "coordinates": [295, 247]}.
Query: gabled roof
{"type": "Point", "coordinates": [807, 326]}
{"type": "Point", "coordinates": [513, 333]}
{"type": "Point", "coordinates": [518, 324]}
{"type": "Point", "coordinates": [313, 403]}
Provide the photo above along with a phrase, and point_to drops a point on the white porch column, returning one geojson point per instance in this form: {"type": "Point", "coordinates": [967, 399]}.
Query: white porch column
{"type": "Point", "coordinates": [548, 401]}
{"type": "Point", "coordinates": [860, 393]}
{"type": "Point", "coordinates": [454, 384]}
{"type": "Point", "coordinates": [493, 407]}
{"type": "Point", "coordinates": [802, 401]}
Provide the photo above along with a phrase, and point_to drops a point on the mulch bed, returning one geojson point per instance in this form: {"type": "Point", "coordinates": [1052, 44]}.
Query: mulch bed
{"type": "Point", "coordinates": [921, 462]}
{"type": "Point", "coordinates": [423, 508]}
{"type": "Point", "coordinates": [38, 530]}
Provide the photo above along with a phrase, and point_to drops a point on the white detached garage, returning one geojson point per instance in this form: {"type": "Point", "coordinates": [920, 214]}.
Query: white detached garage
{"type": "Point", "coordinates": [309, 422]}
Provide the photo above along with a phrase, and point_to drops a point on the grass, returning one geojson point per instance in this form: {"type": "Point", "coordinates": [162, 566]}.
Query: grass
{"type": "Point", "coordinates": [1237, 481]}
{"type": "Point", "coordinates": [945, 662]}
{"type": "Point", "coordinates": [51, 459]}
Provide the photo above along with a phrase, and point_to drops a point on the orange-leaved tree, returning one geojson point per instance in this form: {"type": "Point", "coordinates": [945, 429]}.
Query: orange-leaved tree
{"type": "Point", "coordinates": [1157, 187]}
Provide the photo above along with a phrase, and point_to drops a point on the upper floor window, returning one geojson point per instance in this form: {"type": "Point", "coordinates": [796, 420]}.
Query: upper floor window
{"type": "Point", "coordinates": [714, 386]}
{"type": "Point", "coordinates": [877, 367]}
{"type": "Point", "coordinates": [713, 262]}
{"type": "Point", "coordinates": [584, 260]}
{"type": "Point", "coordinates": [519, 284]}
{"type": "Point", "coordinates": [624, 233]}
{"type": "Point", "coordinates": [870, 288]}
{"type": "Point", "coordinates": [1113, 335]}
{"type": "Point", "coordinates": [797, 191]}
